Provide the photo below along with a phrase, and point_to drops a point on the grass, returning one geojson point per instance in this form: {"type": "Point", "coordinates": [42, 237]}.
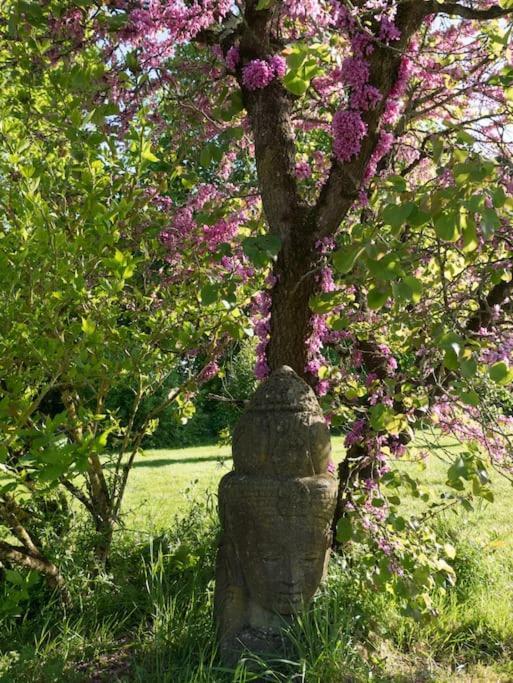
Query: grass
{"type": "Point", "coordinates": [151, 618]}
{"type": "Point", "coordinates": [164, 482]}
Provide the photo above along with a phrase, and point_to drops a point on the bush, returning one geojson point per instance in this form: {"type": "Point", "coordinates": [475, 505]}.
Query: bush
{"type": "Point", "coordinates": [212, 418]}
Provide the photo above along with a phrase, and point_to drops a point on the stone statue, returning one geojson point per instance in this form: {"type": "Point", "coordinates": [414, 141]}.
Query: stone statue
{"type": "Point", "coordinates": [276, 509]}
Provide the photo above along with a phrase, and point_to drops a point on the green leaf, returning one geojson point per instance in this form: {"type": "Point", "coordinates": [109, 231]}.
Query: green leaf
{"type": "Point", "coordinates": [209, 294]}
{"type": "Point", "coordinates": [490, 221]}
{"type": "Point", "coordinates": [386, 268]}
{"type": "Point", "coordinates": [296, 85]}
{"type": "Point", "coordinates": [471, 398]}
{"type": "Point", "coordinates": [88, 326]}
{"type": "Point", "coordinates": [233, 106]}
{"type": "Point", "coordinates": [261, 249]}
{"type": "Point", "coordinates": [447, 226]}
{"type": "Point", "coordinates": [395, 215]}
{"type": "Point", "coordinates": [499, 197]}
{"type": "Point", "coordinates": [344, 530]}
{"type": "Point", "coordinates": [325, 302]}
{"type": "Point", "coordinates": [468, 367]}
{"type": "Point", "coordinates": [147, 154]}
{"type": "Point", "coordinates": [377, 297]}
{"type": "Point", "coordinates": [451, 359]}
{"type": "Point", "coordinates": [501, 373]}
{"type": "Point", "coordinates": [385, 419]}
{"type": "Point", "coordinates": [269, 243]}
{"type": "Point", "coordinates": [345, 257]}
{"type": "Point", "coordinates": [415, 286]}
{"type": "Point", "coordinates": [470, 238]}
{"type": "Point", "coordinates": [52, 472]}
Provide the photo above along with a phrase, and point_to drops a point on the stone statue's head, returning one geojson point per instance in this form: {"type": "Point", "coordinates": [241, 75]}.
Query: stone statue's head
{"type": "Point", "coordinates": [277, 505]}
{"type": "Point", "coordinates": [276, 510]}
{"type": "Point", "coordinates": [283, 432]}
{"type": "Point", "coordinates": [280, 534]}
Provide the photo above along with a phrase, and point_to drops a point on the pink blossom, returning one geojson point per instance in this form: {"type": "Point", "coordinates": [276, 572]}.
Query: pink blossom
{"type": "Point", "coordinates": [322, 387]}
{"type": "Point", "coordinates": [385, 142]}
{"type": "Point", "coordinates": [257, 74]}
{"type": "Point", "coordinates": [262, 370]}
{"type": "Point", "coordinates": [208, 372]}
{"type": "Point", "coordinates": [356, 433]}
{"type": "Point", "coordinates": [303, 9]}
{"type": "Point", "coordinates": [348, 131]}
{"type": "Point", "coordinates": [365, 98]}
{"type": "Point", "coordinates": [388, 30]}
{"type": "Point", "coordinates": [278, 65]}
{"type": "Point", "coordinates": [303, 170]}
{"type": "Point", "coordinates": [355, 72]}
{"type": "Point", "coordinates": [362, 44]}
{"type": "Point", "coordinates": [232, 58]}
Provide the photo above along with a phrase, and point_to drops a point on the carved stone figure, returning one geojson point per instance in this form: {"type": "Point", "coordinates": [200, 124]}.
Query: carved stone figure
{"type": "Point", "coordinates": [276, 509]}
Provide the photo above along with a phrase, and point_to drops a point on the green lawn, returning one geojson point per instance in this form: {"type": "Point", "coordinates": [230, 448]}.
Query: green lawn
{"type": "Point", "coordinates": [163, 482]}
{"type": "Point", "coordinates": [470, 639]}
{"type": "Point", "coordinates": [151, 618]}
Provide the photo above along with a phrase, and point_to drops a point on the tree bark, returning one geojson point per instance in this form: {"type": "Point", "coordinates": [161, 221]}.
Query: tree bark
{"type": "Point", "coordinates": [35, 561]}
{"type": "Point", "coordinates": [296, 273]}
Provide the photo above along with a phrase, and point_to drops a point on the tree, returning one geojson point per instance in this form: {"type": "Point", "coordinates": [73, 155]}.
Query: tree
{"type": "Point", "coordinates": [380, 141]}
{"type": "Point", "coordinates": [362, 148]}
{"type": "Point", "coordinates": [91, 304]}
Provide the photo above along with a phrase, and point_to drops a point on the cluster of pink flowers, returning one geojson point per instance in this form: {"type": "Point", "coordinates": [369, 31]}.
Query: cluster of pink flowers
{"type": "Point", "coordinates": [356, 434]}
{"type": "Point", "coordinates": [468, 427]}
{"type": "Point", "coordinates": [303, 170]}
{"type": "Point", "coordinates": [392, 107]}
{"type": "Point", "coordinates": [232, 58]}
{"type": "Point", "coordinates": [349, 129]}
{"type": "Point", "coordinates": [69, 25]}
{"type": "Point", "coordinates": [499, 346]}
{"type": "Point", "coordinates": [208, 372]}
{"type": "Point", "coordinates": [158, 27]}
{"type": "Point", "coordinates": [355, 72]}
{"type": "Point", "coordinates": [187, 232]}
{"type": "Point", "coordinates": [388, 31]}
{"type": "Point", "coordinates": [320, 334]}
{"type": "Point", "coordinates": [304, 9]}
{"type": "Point", "coordinates": [261, 315]}
{"type": "Point", "coordinates": [260, 72]}
{"type": "Point", "coordinates": [331, 467]}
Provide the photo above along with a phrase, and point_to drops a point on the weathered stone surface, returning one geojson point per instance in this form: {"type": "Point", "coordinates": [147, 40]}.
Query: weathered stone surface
{"type": "Point", "coordinates": [283, 432]}
{"type": "Point", "coordinates": [276, 509]}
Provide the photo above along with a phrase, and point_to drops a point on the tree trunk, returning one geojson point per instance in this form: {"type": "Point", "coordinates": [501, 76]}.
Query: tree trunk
{"type": "Point", "coordinates": [35, 561]}
{"type": "Point", "coordinates": [103, 541]}
{"type": "Point", "coordinates": [296, 273]}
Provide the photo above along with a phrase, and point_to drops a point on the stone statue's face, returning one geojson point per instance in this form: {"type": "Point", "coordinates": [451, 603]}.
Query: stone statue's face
{"type": "Point", "coordinates": [283, 563]}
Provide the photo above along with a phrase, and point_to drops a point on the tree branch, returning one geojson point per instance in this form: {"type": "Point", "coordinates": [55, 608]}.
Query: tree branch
{"type": "Point", "coordinates": [345, 179]}
{"type": "Point", "coordinates": [35, 562]}
{"type": "Point", "coordinates": [78, 494]}
{"type": "Point", "coordinates": [454, 9]}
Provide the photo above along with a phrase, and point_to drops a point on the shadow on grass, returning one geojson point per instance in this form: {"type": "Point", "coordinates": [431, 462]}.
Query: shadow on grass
{"type": "Point", "coordinates": [163, 462]}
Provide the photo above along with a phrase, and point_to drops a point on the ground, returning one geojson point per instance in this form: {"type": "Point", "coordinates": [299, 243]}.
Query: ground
{"type": "Point", "coordinates": [165, 480]}
{"type": "Point", "coordinates": [152, 621]}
